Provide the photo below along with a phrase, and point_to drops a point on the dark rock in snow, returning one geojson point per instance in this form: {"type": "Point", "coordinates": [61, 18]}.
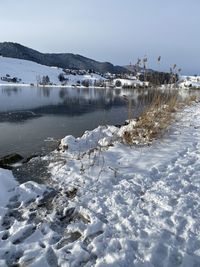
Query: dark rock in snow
{"type": "Point", "coordinates": [8, 160]}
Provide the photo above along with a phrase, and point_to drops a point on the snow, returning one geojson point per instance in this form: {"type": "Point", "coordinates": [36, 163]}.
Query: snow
{"type": "Point", "coordinates": [189, 81]}
{"type": "Point", "coordinates": [30, 72]}
{"type": "Point", "coordinates": [8, 184]}
{"type": "Point", "coordinates": [110, 204]}
{"type": "Point", "coordinates": [102, 136]}
{"type": "Point", "coordinates": [130, 82]}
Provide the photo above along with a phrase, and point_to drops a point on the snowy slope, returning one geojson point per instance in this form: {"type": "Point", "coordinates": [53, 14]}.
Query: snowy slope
{"type": "Point", "coordinates": [111, 204]}
{"type": "Point", "coordinates": [27, 70]}
{"type": "Point", "coordinates": [30, 72]}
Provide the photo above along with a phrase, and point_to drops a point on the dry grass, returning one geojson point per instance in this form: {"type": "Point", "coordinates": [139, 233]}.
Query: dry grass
{"type": "Point", "coordinates": [160, 113]}
{"type": "Point", "coordinates": [154, 121]}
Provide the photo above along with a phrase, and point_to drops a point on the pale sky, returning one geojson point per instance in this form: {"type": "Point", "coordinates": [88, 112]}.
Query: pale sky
{"type": "Point", "coordinates": [108, 30]}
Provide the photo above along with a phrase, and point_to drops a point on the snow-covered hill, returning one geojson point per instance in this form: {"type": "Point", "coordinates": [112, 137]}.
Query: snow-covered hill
{"type": "Point", "coordinates": [62, 60]}
{"type": "Point", "coordinates": [28, 72]}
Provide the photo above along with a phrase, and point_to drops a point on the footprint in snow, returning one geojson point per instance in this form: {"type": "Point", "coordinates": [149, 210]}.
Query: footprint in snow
{"type": "Point", "coordinates": [70, 239]}
{"type": "Point", "coordinates": [159, 255]}
{"type": "Point", "coordinates": [51, 258]}
{"type": "Point", "coordinates": [10, 217]}
{"type": "Point", "coordinates": [23, 234]}
{"type": "Point", "coordinates": [12, 257]}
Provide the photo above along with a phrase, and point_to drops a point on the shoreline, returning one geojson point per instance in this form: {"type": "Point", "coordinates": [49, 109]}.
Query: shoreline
{"type": "Point", "coordinates": [83, 87]}
{"type": "Point", "coordinates": [51, 86]}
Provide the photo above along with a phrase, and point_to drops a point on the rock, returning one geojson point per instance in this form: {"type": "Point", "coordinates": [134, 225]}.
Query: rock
{"type": "Point", "coordinates": [7, 167]}
{"type": "Point", "coordinates": [59, 148]}
{"type": "Point", "coordinates": [118, 125]}
{"type": "Point", "coordinates": [10, 159]}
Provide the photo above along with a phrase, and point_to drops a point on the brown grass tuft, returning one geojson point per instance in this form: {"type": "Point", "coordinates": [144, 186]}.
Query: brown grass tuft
{"type": "Point", "coordinates": [154, 120]}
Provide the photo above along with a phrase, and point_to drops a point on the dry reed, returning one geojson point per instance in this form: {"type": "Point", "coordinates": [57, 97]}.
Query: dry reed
{"type": "Point", "coordinates": [154, 120]}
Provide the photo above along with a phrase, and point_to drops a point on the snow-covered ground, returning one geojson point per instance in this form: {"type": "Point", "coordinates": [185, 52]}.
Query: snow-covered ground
{"type": "Point", "coordinates": [189, 81]}
{"type": "Point", "coordinates": [29, 72]}
{"type": "Point", "coordinates": [109, 204]}
{"type": "Point", "coordinates": [7, 183]}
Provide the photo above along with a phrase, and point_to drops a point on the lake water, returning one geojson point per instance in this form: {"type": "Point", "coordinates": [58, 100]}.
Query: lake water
{"type": "Point", "coordinates": [33, 120]}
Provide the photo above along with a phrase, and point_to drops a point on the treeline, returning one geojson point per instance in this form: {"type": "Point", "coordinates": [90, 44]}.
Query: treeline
{"type": "Point", "coordinates": [158, 78]}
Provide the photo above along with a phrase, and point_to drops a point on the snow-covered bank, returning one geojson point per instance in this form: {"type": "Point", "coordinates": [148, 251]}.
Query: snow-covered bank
{"type": "Point", "coordinates": [144, 202]}
{"type": "Point", "coordinates": [28, 72]}
{"type": "Point", "coordinates": [111, 204]}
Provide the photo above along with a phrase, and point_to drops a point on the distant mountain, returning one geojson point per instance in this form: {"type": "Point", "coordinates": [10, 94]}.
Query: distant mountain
{"type": "Point", "coordinates": [62, 60]}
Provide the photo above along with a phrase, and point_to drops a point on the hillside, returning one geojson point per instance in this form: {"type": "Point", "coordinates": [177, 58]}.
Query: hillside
{"type": "Point", "coordinates": [28, 72]}
{"type": "Point", "coordinates": [62, 60]}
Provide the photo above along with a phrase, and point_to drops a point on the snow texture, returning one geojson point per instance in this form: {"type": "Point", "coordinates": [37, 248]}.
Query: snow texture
{"type": "Point", "coordinates": [30, 73]}
{"type": "Point", "coordinates": [109, 204]}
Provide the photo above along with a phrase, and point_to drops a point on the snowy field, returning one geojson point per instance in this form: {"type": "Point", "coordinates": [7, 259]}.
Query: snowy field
{"type": "Point", "coordinates": [30, 73]}
{"type": "Point", "coordinates": [189, 81]}
{"type": "Point", "coordinates": [109, 204]}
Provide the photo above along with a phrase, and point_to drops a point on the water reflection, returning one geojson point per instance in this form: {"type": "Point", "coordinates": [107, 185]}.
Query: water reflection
{"type": "Point", "coordinates": [10, 91]}
{"type": "Point", "coordinates": [62, 101]}
{"type": "Point", "coordinates": [30, 115]}
{"type": "Point", "coordinates": [46, 92]}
